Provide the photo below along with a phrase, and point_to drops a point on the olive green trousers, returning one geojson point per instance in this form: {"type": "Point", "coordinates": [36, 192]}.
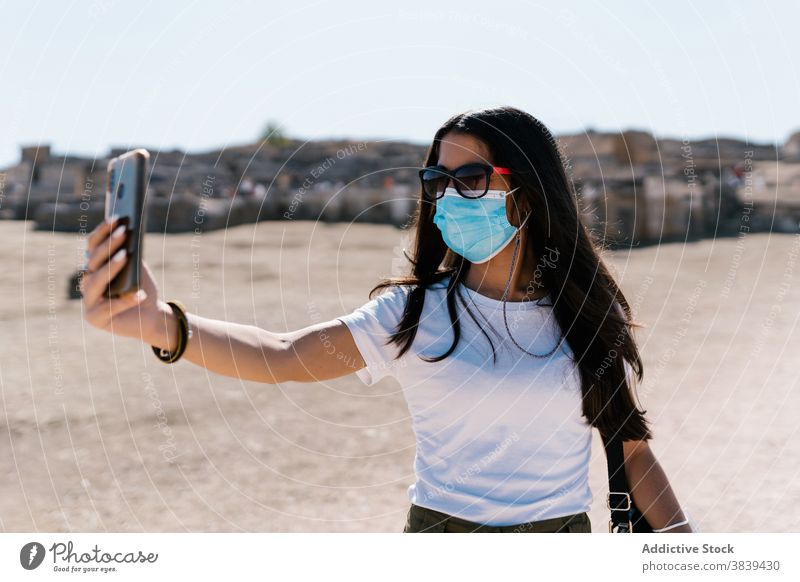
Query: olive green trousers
{"type": "Point", "coordinates": [424, 520]}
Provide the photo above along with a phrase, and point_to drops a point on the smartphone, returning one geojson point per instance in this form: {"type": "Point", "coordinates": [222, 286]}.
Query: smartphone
{"type": "Point", "coordinates": [125, 192]}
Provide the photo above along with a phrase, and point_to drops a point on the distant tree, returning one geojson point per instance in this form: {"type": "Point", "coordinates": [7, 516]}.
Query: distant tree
{"type": "Point", "coordinates": [273, 134]}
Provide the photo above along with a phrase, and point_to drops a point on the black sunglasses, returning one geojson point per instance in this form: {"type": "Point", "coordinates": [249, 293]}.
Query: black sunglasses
{"type": "Point", "coordinates": [470, 180]}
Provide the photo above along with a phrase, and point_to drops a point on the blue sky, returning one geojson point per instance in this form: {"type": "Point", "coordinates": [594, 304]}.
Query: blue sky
{"type": "Point", "coordinates": [84, 76]}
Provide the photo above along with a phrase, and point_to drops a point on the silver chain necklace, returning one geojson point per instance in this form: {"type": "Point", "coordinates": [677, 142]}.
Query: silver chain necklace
{"type": "Point", "coordinates": [505, 318]}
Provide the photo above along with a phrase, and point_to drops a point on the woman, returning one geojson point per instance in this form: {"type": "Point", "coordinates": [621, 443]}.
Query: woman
{"type": "Point", "coordinates": [509, 336]}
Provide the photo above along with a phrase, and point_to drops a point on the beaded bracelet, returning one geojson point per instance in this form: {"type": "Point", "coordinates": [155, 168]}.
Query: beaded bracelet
{"type": "Point", "coordinates": [184, 333]}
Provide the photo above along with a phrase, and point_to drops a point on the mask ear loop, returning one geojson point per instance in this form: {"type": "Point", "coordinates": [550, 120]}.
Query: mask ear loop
{"type": "Point", "coordinates": [514, 256]}
{"type": "Point", "coordinates": [527, 216]}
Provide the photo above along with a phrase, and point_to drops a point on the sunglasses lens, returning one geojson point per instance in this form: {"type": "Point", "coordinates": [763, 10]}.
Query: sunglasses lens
{"type": "Point", "coordinates": [472, 181]}
{"type": "Point", "coordinates": [433, 182]}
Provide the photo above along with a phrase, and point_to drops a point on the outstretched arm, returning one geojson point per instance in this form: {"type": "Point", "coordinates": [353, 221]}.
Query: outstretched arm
{"type": "Point", "coordinates": [319, 352]}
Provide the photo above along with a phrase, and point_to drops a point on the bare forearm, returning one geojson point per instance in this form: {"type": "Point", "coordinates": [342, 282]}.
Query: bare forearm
{"type": "Point", "coordinates": [231, 349]}
{"type": "Point", "coordinates": [652, 492]}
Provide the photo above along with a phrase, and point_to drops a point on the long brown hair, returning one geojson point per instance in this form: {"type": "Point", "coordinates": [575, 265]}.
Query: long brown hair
{"type": "Point", "coordinates": [586, 300]}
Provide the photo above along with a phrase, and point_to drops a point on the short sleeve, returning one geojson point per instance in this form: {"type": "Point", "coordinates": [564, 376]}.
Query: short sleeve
{"type": "Point", "coordinates": [371, 326]}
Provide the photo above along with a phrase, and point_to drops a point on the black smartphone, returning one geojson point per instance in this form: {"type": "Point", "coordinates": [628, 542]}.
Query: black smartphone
{"type": "Point", "coordinates": [125, 192]}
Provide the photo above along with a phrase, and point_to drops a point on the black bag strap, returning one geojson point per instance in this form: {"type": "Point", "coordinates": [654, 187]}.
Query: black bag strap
{"type": "Point", "coordinates": [619, 500]}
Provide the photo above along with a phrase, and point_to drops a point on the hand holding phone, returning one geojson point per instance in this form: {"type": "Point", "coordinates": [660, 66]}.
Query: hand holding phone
{"type": "Point", "coordinates": [136, 314]}
{"type": "Point", "coordinates": [111, 276]}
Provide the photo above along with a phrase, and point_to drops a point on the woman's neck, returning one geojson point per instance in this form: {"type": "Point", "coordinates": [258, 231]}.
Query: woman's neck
{"type": "Point", "coordinates": [490, 278]}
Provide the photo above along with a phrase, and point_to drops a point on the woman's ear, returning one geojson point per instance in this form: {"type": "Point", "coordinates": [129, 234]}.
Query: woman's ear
{"type": "Point", "coordinates": [516, 209]}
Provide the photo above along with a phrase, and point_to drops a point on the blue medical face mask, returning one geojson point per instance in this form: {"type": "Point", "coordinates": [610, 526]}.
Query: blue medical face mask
{"type": "Point", "coordinates": [477, 229]}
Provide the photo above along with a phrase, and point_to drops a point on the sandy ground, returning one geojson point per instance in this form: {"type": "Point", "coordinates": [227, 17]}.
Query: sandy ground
{"type": "Point", "coordinates": [97, 435]}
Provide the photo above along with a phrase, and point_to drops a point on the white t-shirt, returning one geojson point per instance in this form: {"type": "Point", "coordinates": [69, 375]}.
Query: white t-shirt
{"type": "Point", "coordinates": [497, 444]}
